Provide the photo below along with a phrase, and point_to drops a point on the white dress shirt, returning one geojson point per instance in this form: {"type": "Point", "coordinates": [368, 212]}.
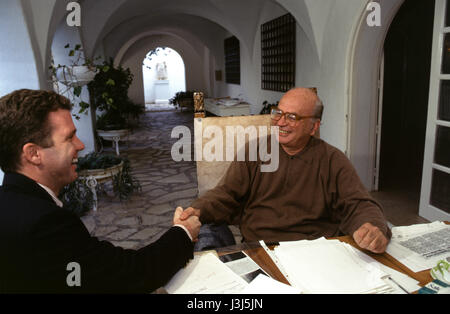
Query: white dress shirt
{"type": "Point", "coordinates": [49, 191]}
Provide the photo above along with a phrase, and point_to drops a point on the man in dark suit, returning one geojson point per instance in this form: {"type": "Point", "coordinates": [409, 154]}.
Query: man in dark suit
{"type": "Point", "coordinates": [46, 248]}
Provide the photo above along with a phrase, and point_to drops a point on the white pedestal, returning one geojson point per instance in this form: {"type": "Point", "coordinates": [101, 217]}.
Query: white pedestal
{"type": "Point", "coordinates": [162, 92]}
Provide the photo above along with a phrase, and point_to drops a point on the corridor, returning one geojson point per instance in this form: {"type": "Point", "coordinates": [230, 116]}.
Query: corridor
{"type": "Point", "coordinates": [165, 185]}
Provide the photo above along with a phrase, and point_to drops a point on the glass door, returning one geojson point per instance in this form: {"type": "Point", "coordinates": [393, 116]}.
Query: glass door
{"type": "Point", "coordinates": [435, 192]}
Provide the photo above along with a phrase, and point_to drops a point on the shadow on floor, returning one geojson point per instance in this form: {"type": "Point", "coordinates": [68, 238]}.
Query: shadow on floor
{"type": "Point", "coordinates": [401, 207]}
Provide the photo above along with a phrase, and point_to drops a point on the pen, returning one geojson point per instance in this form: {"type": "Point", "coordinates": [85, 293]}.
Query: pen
{"type": "Point", "coordinates": [399, 285]}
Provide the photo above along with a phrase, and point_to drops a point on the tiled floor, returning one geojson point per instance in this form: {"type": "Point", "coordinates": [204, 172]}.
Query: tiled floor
{"type": "Point", "coordinates": [167, 184]}
{"type": "Point", "coordinates": [159, 107]}
{"type": "Point", "coordinates": [400, 207]}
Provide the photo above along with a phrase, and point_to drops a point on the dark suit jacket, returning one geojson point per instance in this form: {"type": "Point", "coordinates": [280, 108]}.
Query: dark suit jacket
{"type": "Point", "coordinates": [38, 240]}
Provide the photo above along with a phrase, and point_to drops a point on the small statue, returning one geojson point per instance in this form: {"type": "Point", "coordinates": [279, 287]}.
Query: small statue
{"type": "Point", "coordinates": [199, 106]}
{"type": "Point", "coordinates": [161, 71]}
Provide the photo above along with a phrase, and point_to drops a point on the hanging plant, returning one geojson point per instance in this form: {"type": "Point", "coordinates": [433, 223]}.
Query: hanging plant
{"type": "Point", "coordinates": [74, 76]}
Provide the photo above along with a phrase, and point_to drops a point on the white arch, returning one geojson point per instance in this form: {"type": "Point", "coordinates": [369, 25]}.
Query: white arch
{"type": "Point", "coordinates": [365, 55]}
{"type": "Point", "coordinates": [179, 34]}
{"type": "Point", "coordinates": [136, 53]}
{"type": "Point", "coordinates": [176, 77]}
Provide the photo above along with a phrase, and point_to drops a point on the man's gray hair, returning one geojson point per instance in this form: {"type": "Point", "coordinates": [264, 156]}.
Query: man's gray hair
{"type": "Point", "coordinates": [318, 109]}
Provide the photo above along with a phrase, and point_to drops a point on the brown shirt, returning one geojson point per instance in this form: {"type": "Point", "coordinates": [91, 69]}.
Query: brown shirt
{"type": "Point", "coordinates": [312, 194]}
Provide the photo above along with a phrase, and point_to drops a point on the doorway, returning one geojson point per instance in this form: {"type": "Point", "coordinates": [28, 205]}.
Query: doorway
{"type": "Point", "coordinates": [407, 63]}
{"type": "Point", "coordinates": [164, 75]}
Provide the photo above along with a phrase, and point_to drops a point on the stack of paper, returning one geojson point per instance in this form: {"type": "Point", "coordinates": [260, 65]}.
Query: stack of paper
{"type": "Point", "coordinates": [331, 266]}
{"type": "Point", "coordinates": [400, 282]}
{"type": "Point", "coordinates": [420, 247]}
{"type": "Point", "coordinates": [205, 274]}
{"type": "Point", "coordinates": [319, 266]}
{"type": "Point", "coordinates": [263, 284]}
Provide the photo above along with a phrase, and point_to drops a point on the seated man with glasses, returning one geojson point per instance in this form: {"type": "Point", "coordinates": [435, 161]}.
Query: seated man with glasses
{"type": "Point", "coordinates": [314, 193]}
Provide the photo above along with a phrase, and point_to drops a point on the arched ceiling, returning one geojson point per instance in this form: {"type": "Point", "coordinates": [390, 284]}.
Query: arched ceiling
{"type": "Point", "coordinates": [102, 17]}
{"type": "Point", "coordinates": [194, 43]}
{"type": "Point", "coordinates": [111, 24]}
{"type": "Point", "coordinates": [199, 31]}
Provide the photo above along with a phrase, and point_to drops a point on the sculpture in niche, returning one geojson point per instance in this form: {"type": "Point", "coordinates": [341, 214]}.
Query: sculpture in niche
{"type": "Point", "coordinates": [161, 71]}
{"type": "Point", "coordinates": [199, 105]}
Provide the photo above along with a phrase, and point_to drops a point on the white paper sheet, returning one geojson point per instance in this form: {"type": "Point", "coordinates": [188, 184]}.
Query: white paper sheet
{"type": "Point", "coordinates": [324, 266]}
{"type": "Point", "coordinates": [406, 282]}
{"type": "Point", "coordinates": [205, 274]}
{"type": "Point", "coordinates": [263, 284]}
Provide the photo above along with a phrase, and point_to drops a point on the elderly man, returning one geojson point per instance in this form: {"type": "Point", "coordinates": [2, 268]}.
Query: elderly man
{"type": "Point", "coordinates": [43, 246]}
{"type": "Point", "coordinates": [315, 192]}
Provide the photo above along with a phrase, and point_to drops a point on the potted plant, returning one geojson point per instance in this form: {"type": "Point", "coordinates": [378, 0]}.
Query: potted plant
{"type": "Point", "coordinates": [109, 95]}
{"type": "Point", "coordinates": [267, 107]}
{"type": "Point", "coordinates": [183, 99]}
{"type": "Point", "coordinates": [80, 72]}
{"type": "Point", "coordinates": [93, 169]}
{"type": "Point", "coordinates": [77, 197]}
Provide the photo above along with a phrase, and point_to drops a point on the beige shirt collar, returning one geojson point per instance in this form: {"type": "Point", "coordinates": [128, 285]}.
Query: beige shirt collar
{"type": "Point", "coordinates": [57, 201]}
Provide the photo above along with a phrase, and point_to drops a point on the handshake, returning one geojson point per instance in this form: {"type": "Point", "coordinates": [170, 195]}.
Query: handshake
{"type": "Point", "coordinates": [188, 220]}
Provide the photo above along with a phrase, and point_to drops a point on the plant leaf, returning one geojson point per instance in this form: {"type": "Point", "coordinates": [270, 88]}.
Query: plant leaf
{"type": "Point", "coordinates": [83, 107]}
{"type": "Point", "coordinates": [77, 91]}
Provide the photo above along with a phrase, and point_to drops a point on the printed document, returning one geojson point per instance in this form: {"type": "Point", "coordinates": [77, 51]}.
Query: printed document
{"type": "Point", "coordinates": [420, 247]}
{"type": "Point", "coordinates": [205, 274]}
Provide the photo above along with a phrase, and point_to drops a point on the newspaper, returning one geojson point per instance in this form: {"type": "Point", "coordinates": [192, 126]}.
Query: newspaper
{"type": "Point", "coordinates": [420, 247]}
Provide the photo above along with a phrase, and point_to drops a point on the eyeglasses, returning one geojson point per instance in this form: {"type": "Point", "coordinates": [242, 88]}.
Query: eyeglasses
{"type": "Point", "coordinates": [292, 118]}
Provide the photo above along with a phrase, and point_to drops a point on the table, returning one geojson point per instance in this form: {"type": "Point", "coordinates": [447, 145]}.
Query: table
{"type": "Point", "coordinates": [211, 105]}
{"type": "Point", "coordinates": [259, 255]}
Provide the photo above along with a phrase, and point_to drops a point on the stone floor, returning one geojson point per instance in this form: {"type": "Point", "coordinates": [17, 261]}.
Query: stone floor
{"type": "Point", "coordinates": [159, 107]}
{"type": "Point", "coordinates": [165, 183]}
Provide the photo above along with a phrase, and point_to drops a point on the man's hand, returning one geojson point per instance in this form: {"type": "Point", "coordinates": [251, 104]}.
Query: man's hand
{"type": "Point", "coordinates": [192, 224]}
{"type": "Point", "coordinates": [370, 238]}
{"type": "Point", "coordinates": [190, 211]}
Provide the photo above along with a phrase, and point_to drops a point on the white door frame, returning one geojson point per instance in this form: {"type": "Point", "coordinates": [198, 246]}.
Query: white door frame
{"type": "Point", "coordinates": [366, 54]}
{"type": "Point", "coordinates": [427, 210]}
{"type": "Point", "coordinates": [379, 124]}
